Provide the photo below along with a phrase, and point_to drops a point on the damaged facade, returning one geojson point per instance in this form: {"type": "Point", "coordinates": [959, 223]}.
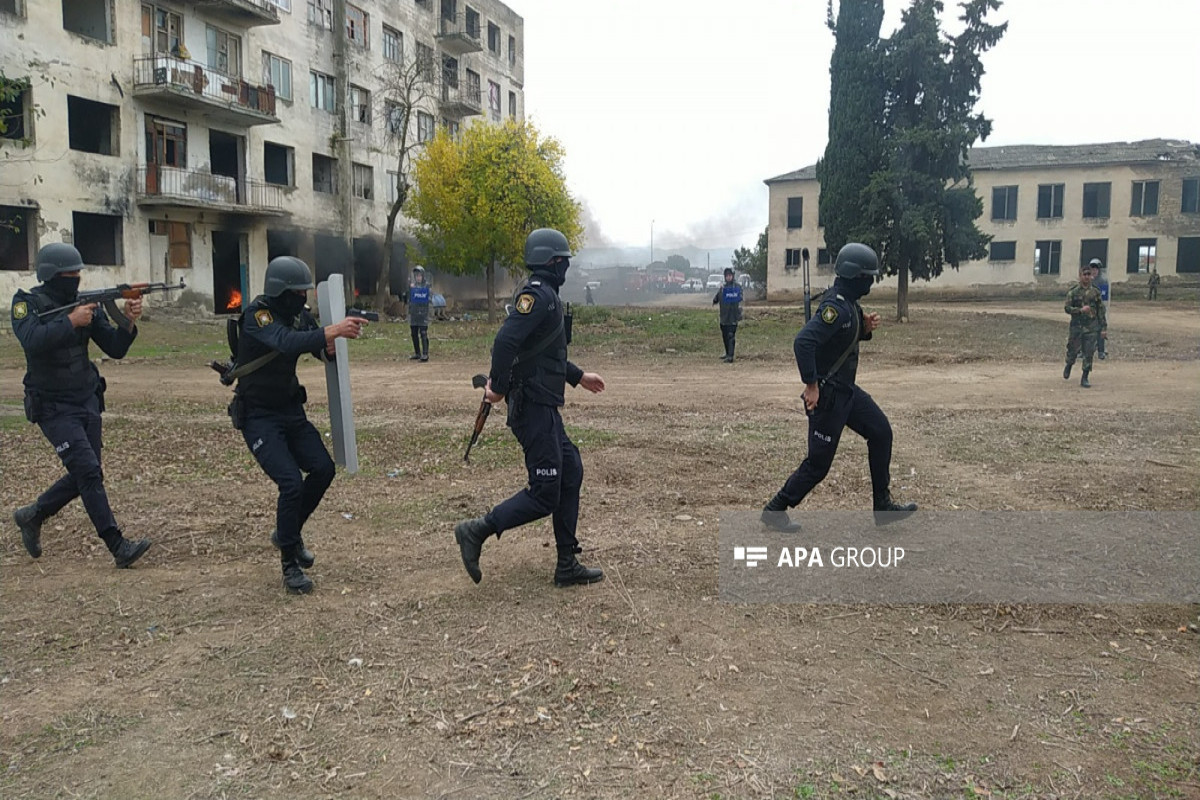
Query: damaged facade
{"type": "Point", "coordinates": [198, 140]}
{"type": "Point", "coordinates": [1133, 205]}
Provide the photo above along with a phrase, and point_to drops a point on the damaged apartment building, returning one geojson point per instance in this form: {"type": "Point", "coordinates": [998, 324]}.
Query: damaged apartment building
{"type": "Point", "coordinates": [198, 140]}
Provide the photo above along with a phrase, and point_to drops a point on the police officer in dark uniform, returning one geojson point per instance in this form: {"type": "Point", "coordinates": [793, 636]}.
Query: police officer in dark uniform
{"type": "Point", "coordinates": [418, 314]}
{"type": "Point", "coordinates": [729, 297]}
{"type": "Point", "coordinates": [268, 405]}
{"type": "Point", "coordinates": [827, 355]}
{"type": "Point", "coordinates": [64, 395]}
{"type": "Point", "coordinates": [530, 369]}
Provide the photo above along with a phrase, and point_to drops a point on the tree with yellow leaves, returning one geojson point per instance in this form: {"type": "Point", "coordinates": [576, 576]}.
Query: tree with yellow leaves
{"type": "Point", "coordinates": [475, 200]}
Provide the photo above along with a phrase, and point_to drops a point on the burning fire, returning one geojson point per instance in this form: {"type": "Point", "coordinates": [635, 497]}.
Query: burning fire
{"type": "Point", "coordinates": [235, 301]}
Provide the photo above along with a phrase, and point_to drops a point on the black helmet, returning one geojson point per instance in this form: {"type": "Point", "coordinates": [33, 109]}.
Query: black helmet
{"type": "Point", "coordinates": [856, 259]}
{"type": "Point", "coordinates": [729, 271]}
{"type": "Point", "coordinates": [286, 273]}
{"type": "Point", "coordinates": [543, 245]}
{"type": "Point", "coordinates": [54, 259]}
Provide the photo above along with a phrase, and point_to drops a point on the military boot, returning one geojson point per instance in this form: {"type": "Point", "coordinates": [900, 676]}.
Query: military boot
{"type": "Point", "coordinates": [29, 521]}
{"type": "Point", "coordinates": [888, 510]}
{"type": "Point", "coordinates": [1084, 380]}
{"type": "Point", "coordinates": [304, 556]}
{"type": "Point", "coordinates": [570, 572]}
{"type": "Point", "coordinates": [294, 579]}
{"type": "Point", "coordinates": [470, 535]}
{"type": "Point", "coordinates": [1067, 371]}
{"type": "Point", "coordinates": [128, 552]}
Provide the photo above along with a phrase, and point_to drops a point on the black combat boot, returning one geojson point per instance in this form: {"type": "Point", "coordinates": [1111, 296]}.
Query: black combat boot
{"type": "Point", "coordinates": [128, 552]}
{"type": "Point", "coordinates": [470, 535]}
{"type": "Point", "coordinates": [570, 572]}
{"type": "Point", "coordinates": [887, 510]}
{"type": "Point", "coordinates": [304, 556]}
{"type": "Point", "coordinates": [294, 579]}
{"type": "Point", "coordinates": [1084, 380]}
{"type": "Point", "coordinates": [775, 517]}
{"type": "Point", "coordinates": [29, 521]}
{"type": "Point", "coordinates": [1067, 371]}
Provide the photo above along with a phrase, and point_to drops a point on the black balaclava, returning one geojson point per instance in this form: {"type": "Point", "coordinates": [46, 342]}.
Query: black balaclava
{"type": "Point", "coordinates": [854, 288]}
{"type": "Point", "coordinates": [63, 289]}
{"type": "Point", "coordinates": [555, 274]}
{"type": "Point", "coordinates": [291, 303]}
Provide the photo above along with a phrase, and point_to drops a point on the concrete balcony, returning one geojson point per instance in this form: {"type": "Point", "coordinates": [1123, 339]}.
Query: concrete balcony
{"type": "Point", "coordinates": [183, 82]}
{"type": "Point", "coordinates": [174, 186]}
{"type": "Point", "coordinates": [241, 13]}
{"type": "Point", "coordinates": [459, 36]}
{"type": "Point", "coordinates": [460, 102]}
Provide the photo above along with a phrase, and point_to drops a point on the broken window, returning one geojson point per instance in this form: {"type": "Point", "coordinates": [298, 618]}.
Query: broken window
{"type": "Point", "coordinates": [356, 25]}
{"type": "Point", "coordinates": [473, 26]}
{"type": "Point", "coordinates": [473, 86]}
{"type": "Point", "coordinates": [791, 258]}
{"type": "Point", "coordinates": [452, 127]}
{"type": "Point", "coordinates": [1047, 256]}
{"type": "Point", "coordinates": [1093, 248]}
{"type": "Point", "coordinates": [494, 38]}
{"type": "Point", "coordinates": [360, 104]}
{"type": "Point", "coordinates": [324, 171]}
{"type": "Point", "coordinates": [92, 126]}
{"type": "Point", "coordinates": [1097, 199]}
{"type": "Point", "coordinates": [1145, 199]}
{"type": "Point", "coordinates": [277, 72]}
{"type": "Point", "coordinates": [364, 181]}
{"type": "Point", "coordinates": [1050, 201]}
{"type": "Point", "coordinates": [162, 31]}
{"type": "Point", "coordinates": [394, 118]}
{"type": "Point", "coordinates": [512, 51]}
{"type": "Point", "coordinates": [1191, 196]}
{"type": "Point", "coordinates": [425, 60]}
{"type": "Point", "coordinates": [1002, 251]}
{"type": "Point", "coordinates": [1142, 255]}
{"type": "Point", "coordinates": [512, 104]}
{"type": "Point", "coordinates": [87, 18]}
{"type": "Point", "coordinates": [279, 164]}
{"type": "Point", "coordinates": [98, 238]}
{"type": "Point", "coordinates": [224, 52]}
{"type": "Point", "coordinates": [494, 100]}
{"type": "Point", "coordinates": [1004, 202]}
{"type": "Point", "coordinates": [425, 125]}
{"type": "Point", "coordinates": [17, 241]}
{"type": "Point", "coordinates": [393, 45]}
{"type": "Point", "coordinates": [320, 91]}
{"type": "Point", "coordinates": [179, 242]}
{"type": "Point", "coordinates": [14, 111]}
{"type": "Point", "coordinates": [393, 187]}
{"type": "Point", "coordinates": [795, 212]}
{"type": "Point", "coordinates": [1188, 259]}
{"type": "Point", "coordinates": [320, 12]}
{"type": "Point", "coordinates": [11, 7]}
{"type": "Point", "coordinates": [166, 143]}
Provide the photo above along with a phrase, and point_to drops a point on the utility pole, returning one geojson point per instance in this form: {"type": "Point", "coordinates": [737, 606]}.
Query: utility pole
{"type": "Point", "coordinates": [651, 241]}
{"type": "Point", "coordinates": [345, 164]}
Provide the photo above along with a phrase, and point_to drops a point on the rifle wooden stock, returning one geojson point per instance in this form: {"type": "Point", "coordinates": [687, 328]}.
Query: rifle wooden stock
{"type": "Point", "coordinates": [108, 298]}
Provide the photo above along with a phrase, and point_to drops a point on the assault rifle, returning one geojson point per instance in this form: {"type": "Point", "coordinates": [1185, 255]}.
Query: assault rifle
{"type": "Point", "coordinates": [108, 298]}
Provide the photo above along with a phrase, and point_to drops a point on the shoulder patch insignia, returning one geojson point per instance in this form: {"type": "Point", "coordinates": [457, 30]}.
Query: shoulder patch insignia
{"type": "Point", "coordinates": [829, 315]}
{"type": "Point", "coordinates": [263, 317]}
{"type": "Point", "coordinates": [20, 310]}
{"type": "Point", "coordinates": [525, 303]}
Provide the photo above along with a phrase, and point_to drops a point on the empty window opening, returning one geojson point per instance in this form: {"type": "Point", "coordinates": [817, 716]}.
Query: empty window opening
{"type": "Point", "coordinates": [98, 238]}
{"type": "Point", "coordinates": [324, 170]}
{"type": "Point", "coordinates": [88, 18]}
{"type": "Point", "coordinates": [92, 126]}
{"type": "Point", "coordinates": [279, 164]}
{"type": "Point", "coordinates": [17, 241]}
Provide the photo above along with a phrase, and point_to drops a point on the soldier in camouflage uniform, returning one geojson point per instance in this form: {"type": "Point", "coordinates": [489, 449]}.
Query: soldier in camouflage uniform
{"type": "Point", "coordinates": [1088, 323]}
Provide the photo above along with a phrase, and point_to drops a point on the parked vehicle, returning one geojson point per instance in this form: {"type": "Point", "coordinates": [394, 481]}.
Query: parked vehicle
{"type": "Point", "coordinates": [715, 282]}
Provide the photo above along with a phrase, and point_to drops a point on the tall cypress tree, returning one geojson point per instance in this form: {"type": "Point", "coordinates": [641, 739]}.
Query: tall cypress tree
{"type": "Point", "coordinates": [856, 113]}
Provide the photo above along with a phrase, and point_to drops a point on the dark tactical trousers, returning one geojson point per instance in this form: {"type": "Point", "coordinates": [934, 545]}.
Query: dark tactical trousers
{"type": "Point", "coordinates": [74, 430]}
{"type": "Point", "coordinates": [555, 477]}
{"type": "Point", "coordinates": [729, 336]}
{"type": "Point", "coordinates": [841, 408]}
{"type": "Point", "coordinates": [1078, 339]}
{"type": "Point", "coordinates": [285, 444]}
{"type": "Point", "coordinates": [420, 339]}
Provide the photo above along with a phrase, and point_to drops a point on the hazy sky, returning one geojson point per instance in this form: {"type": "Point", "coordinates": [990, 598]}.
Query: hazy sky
{"type": "Point", "coordinates": [677, 110]}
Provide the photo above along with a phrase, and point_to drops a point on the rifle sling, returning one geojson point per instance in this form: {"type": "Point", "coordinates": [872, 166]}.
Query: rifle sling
{"type": "Point", "coordinates": [849, 348]}
{"type": "Point", "coordinates": [242, 370]}
{"type": "Point", "coordinates": [527, 354]}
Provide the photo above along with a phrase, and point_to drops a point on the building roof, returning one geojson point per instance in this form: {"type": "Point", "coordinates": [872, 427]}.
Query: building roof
{"type": "Point", "coordinates": [1031, 156]}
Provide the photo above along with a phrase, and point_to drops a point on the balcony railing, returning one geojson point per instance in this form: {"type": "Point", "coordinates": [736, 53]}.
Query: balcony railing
{"type": "Point", "coordinates": [460, 101]}
{"type": "Point", "coordinates": [177, 186]}
{"type": "Point", "coordinates": [458, 36]}
{"type": "Point", "coordinates": [196, 84]}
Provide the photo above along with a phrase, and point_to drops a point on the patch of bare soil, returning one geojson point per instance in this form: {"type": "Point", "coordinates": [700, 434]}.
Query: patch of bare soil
{"type": "Point", "coordinates": [193, 675]}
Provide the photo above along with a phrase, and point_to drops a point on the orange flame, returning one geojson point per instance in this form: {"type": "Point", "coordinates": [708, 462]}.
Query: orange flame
{"type": "Point", "coordinates": [235, 301]}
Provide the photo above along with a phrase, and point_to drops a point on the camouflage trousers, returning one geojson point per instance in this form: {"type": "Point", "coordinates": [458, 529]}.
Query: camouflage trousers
{"type": "Point", "coordinates": [1085, 340]}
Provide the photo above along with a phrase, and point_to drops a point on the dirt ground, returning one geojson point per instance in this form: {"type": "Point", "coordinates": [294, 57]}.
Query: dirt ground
{"type": "Point", "coordinates": [194, 675]}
